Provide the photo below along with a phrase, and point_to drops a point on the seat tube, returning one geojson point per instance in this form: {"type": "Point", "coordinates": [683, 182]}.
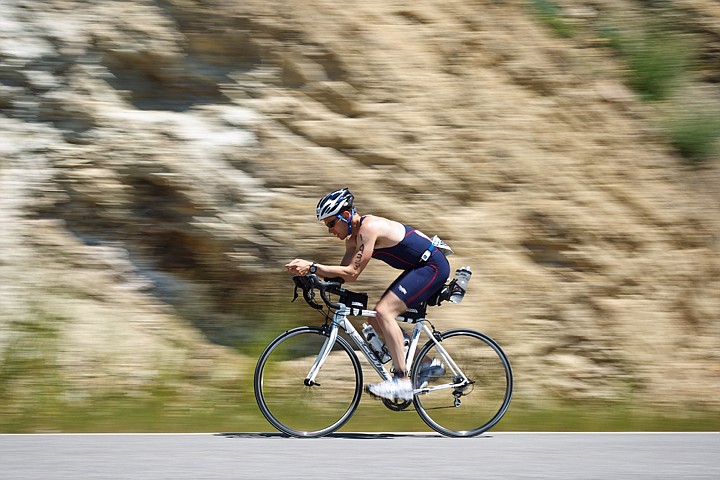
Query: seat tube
{"type": "Point", "coordinates": [338, 318]}
{"type": "Point", "coordinates": [410, 356]}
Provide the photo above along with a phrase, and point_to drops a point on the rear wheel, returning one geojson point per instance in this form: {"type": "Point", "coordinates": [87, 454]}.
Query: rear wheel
{"type": "Point", "coordinates": [470, 407]}
{"type": "Point", "coordinates": [288, 403]}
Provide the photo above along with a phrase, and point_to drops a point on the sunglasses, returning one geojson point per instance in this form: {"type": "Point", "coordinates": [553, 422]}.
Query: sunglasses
{"type": "Point", "coordinates": [332, 222]}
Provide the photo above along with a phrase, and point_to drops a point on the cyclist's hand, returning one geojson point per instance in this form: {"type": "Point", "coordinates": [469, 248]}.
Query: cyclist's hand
{"type": "Point", "coordinates": [298, 267]}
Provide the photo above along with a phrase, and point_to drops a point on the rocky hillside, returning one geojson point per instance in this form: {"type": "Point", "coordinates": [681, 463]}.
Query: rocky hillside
{"type": "Point", "coordinates": [160, 161]}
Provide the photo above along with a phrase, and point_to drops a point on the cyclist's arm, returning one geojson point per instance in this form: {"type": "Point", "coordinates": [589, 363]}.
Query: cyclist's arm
{"type": "Point", "coordinates": [355, 259]}
{"type": "Point", "coordinates": [350, 249]}
{"type": "Point", "coordinates": [353, 263]}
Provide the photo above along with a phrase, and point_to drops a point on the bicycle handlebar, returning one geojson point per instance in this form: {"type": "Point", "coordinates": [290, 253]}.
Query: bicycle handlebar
{"type": "Point", "coordinates": [308, 284]}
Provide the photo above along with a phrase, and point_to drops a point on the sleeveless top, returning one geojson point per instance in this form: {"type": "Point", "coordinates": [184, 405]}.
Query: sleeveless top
{"type": "Point", "coordinates": [406, 255]}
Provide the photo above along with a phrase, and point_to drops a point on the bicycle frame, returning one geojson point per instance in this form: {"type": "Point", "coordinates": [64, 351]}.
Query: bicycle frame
{"type": "Point", "coordinates": [340, 320]}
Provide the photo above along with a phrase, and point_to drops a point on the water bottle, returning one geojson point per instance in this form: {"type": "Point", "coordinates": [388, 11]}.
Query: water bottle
{"type": "Point", "coordinates": [376, 344]}
{"type": "Point", "coordinates": [462, 277]}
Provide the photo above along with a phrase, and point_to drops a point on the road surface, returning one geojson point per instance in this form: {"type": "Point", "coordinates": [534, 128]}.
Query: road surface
{"type": "Point", "coordinates": [537, 456]}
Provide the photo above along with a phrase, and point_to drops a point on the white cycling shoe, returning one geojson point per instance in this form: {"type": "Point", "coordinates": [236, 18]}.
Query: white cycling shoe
{"type": "Point", "coordinates": [393, 389]}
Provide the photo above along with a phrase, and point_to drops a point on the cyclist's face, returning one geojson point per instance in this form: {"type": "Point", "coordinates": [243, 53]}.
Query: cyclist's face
{"type": "Point", "coordinates": [335, 227]}
{"type": "Point", "coordinates": [331, 223]}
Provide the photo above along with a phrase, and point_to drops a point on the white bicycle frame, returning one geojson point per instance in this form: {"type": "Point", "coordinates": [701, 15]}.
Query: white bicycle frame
{"type": "Point", "coordinates": [340, 320]}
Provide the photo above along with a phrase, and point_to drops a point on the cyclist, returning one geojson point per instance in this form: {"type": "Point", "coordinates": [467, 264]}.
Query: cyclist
{"type": "Point", "coordinates": [425, 270]}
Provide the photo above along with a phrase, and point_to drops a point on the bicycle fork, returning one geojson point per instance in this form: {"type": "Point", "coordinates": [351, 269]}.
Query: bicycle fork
{"type": "Point", "coordinates": [322, 356]}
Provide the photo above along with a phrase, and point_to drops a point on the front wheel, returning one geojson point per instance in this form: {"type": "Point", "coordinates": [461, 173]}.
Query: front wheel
{"type": "Point", "coordinates": [288, 403]}
{"type": "Point", "coordinates": [470, 397]}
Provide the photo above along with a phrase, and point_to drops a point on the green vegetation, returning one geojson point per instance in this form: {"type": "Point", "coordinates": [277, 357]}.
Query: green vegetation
{"type": "Point", "coordinates": [564, 416]}
{"type": "Point", "coordinates": [660, 60]}
{"type": "Point", "coordinates": [694, 133]}
{"type": "Point", "coordinates": [550, 14]}
{"type": "Point", "coordinates": [37, 397]}
{"type": "Point", "coordinates": [235, 411]}
{"type": "Point", "coordinates": [29, 376]}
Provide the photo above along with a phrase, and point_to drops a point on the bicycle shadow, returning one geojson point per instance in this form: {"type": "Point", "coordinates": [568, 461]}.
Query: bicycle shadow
{"type": "Point", "coordinates": [340, 435]}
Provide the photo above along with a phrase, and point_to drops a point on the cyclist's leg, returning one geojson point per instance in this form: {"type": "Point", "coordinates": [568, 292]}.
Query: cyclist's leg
{"type": "Point", "coordinates": [387, 310]}
{"type": "Point", "coordinates": [409, 289]}
{"type": "Point", "coordinates": [398, 388]}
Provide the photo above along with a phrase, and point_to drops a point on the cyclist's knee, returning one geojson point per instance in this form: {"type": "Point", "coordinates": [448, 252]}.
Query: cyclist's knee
{"type": "Point", "coordinates": [387, 312]}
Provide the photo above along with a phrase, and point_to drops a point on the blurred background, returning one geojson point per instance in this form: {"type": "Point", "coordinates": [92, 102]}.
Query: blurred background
{"type": "Point", "coordinates": [160, 161]}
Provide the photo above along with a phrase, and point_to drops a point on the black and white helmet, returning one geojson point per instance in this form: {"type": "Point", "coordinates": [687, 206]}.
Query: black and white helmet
{"type": "Point", "coordinates": [333, 203]}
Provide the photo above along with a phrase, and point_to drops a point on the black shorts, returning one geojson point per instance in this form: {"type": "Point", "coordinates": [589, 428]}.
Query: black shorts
{"type": "Point", "coordinates": [417, 285]}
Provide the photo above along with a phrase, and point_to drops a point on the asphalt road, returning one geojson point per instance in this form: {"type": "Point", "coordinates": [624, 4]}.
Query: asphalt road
{"type": "Point", "coordinates": [616, 456]}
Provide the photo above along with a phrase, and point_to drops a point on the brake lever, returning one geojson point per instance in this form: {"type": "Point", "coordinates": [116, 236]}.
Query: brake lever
{"type": "Point", "coordinates": [308, 287]}
{"type": "Point", "coordinates": [296, 279]}
{"type": "Point", "coordinates": [310, 299]}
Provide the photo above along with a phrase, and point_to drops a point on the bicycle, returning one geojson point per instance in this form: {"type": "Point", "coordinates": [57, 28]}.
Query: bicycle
{"type": "Point", "coordinates": [308, 381]}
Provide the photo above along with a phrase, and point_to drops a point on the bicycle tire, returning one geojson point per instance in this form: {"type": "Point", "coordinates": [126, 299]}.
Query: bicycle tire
{"type": "Point", "coordinates": [295, 408]}
{"type": "Point", "coordinates": [482, 403]}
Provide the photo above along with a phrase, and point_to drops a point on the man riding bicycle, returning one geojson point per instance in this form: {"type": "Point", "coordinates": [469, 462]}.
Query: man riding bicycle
{"type": "Point", "coordinates": [425, 270]}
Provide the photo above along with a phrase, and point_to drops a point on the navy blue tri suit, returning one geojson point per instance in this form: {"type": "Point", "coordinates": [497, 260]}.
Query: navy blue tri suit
{"type": "Point", "coordinates": [420, 279]}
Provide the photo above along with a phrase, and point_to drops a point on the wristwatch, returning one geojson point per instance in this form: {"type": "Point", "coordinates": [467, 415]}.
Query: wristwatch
{"type": "Point", "coordinates": [313, 268]}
